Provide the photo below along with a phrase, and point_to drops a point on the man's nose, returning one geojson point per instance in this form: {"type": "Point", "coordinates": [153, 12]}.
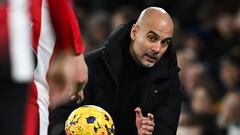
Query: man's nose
{"type": "Point", "coordinates": [157, 47]}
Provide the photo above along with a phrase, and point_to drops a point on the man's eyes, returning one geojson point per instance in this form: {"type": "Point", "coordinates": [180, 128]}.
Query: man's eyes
{"type": "Point", "coordinates": [166, 42]}
{"type": "Point", "coordinates": [152, 38]}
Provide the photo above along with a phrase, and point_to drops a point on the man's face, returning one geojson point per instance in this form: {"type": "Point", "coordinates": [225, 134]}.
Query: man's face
{"type": "Point", "coordinates": [150, 41]}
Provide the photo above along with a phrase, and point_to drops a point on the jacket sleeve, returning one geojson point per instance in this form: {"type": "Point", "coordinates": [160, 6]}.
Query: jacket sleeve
{"type": "Point", "coordinates": [58, 117]}
{"type": "Point", "coordinates": [167, 113]}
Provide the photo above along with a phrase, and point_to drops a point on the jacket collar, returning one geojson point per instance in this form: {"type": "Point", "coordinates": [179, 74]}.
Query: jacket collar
{"type": "Point", "coordinates": [112, 55]}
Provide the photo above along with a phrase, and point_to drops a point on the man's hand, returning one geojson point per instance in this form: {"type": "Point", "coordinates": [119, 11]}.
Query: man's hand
{"type": "Point", "coordinates": [145, 125]}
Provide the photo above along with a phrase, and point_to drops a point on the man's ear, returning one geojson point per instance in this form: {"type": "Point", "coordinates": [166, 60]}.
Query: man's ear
{"type": "Point", "coordinates": [134, 31]}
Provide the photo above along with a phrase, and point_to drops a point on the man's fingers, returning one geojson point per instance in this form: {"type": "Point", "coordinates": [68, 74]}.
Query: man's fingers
{"type": "Point", "coordinates": [138, 112]}
{"type": "Point", "coordinates": [149, 115]}
{"type": "Point", "coordinates": [148, 128]}
{"type": "Point", "coordinates": [148, 122]}
{"type": "Point", "coordinates": [144, 132]}
{"type": "Point", "coordinates": [147, 133]}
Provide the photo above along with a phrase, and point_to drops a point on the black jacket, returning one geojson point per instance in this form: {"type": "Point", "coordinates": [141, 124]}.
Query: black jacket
{"type": "Point", "coordinates": [159, 91]}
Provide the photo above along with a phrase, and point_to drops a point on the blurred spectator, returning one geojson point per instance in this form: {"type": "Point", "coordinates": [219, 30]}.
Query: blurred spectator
{"type": "Point", "coordinates": [192, 76]}
{"type": "Point", "coordinates": [185, 115]}
{"type": "Point", "coordinates": [230, 72]}
{"type": "Point", "coordinates": [206, 15]}
{"type": "Point", "coordinates": [203, 100]}
{"type": "Point", "coordinates": [222, 37]}
{"type": "Point", "coordinates": [236, 22]}
{"type": "Point", "coordinates": [185, 58]}
{"type": "Point", "coordinates": [194, 42]}
{"type": "Point", "coordinates": [198, 125]}
{"type": "Point", "coordinates": [98, 29]}
{"type": "Point", "coordinates": [190, 130]}
{"type": "Point", "coordinates": [229, 116]}
{"type": "Point", "coordinates": [236, 27]}
{"type": "Point", "coordinates": [178, 36]}
{"type": "Point", "coordinates": [82, 10]}
{"type": "Point", "coordinates": [122, 15]}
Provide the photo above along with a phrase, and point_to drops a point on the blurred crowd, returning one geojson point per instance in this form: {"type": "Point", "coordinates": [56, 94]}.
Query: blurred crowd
{"type": "Point", "coordinates": [207, 40]}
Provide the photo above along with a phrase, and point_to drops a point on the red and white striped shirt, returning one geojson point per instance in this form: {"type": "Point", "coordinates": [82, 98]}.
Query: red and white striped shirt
{"type": "Point", "coordinates": [54, 27]}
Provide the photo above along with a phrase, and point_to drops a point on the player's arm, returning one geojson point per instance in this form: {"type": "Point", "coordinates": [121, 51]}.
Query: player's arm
{"type": "Point", "coordinates": [60, 114]}
{"type": "Point", "coordinates": [66, 77]}
{"type": "Point", "coordinates": [70, 64]}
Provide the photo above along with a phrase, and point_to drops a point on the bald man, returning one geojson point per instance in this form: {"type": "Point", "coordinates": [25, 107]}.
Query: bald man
{"type": "Point", "coordinates": [134, 77]}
